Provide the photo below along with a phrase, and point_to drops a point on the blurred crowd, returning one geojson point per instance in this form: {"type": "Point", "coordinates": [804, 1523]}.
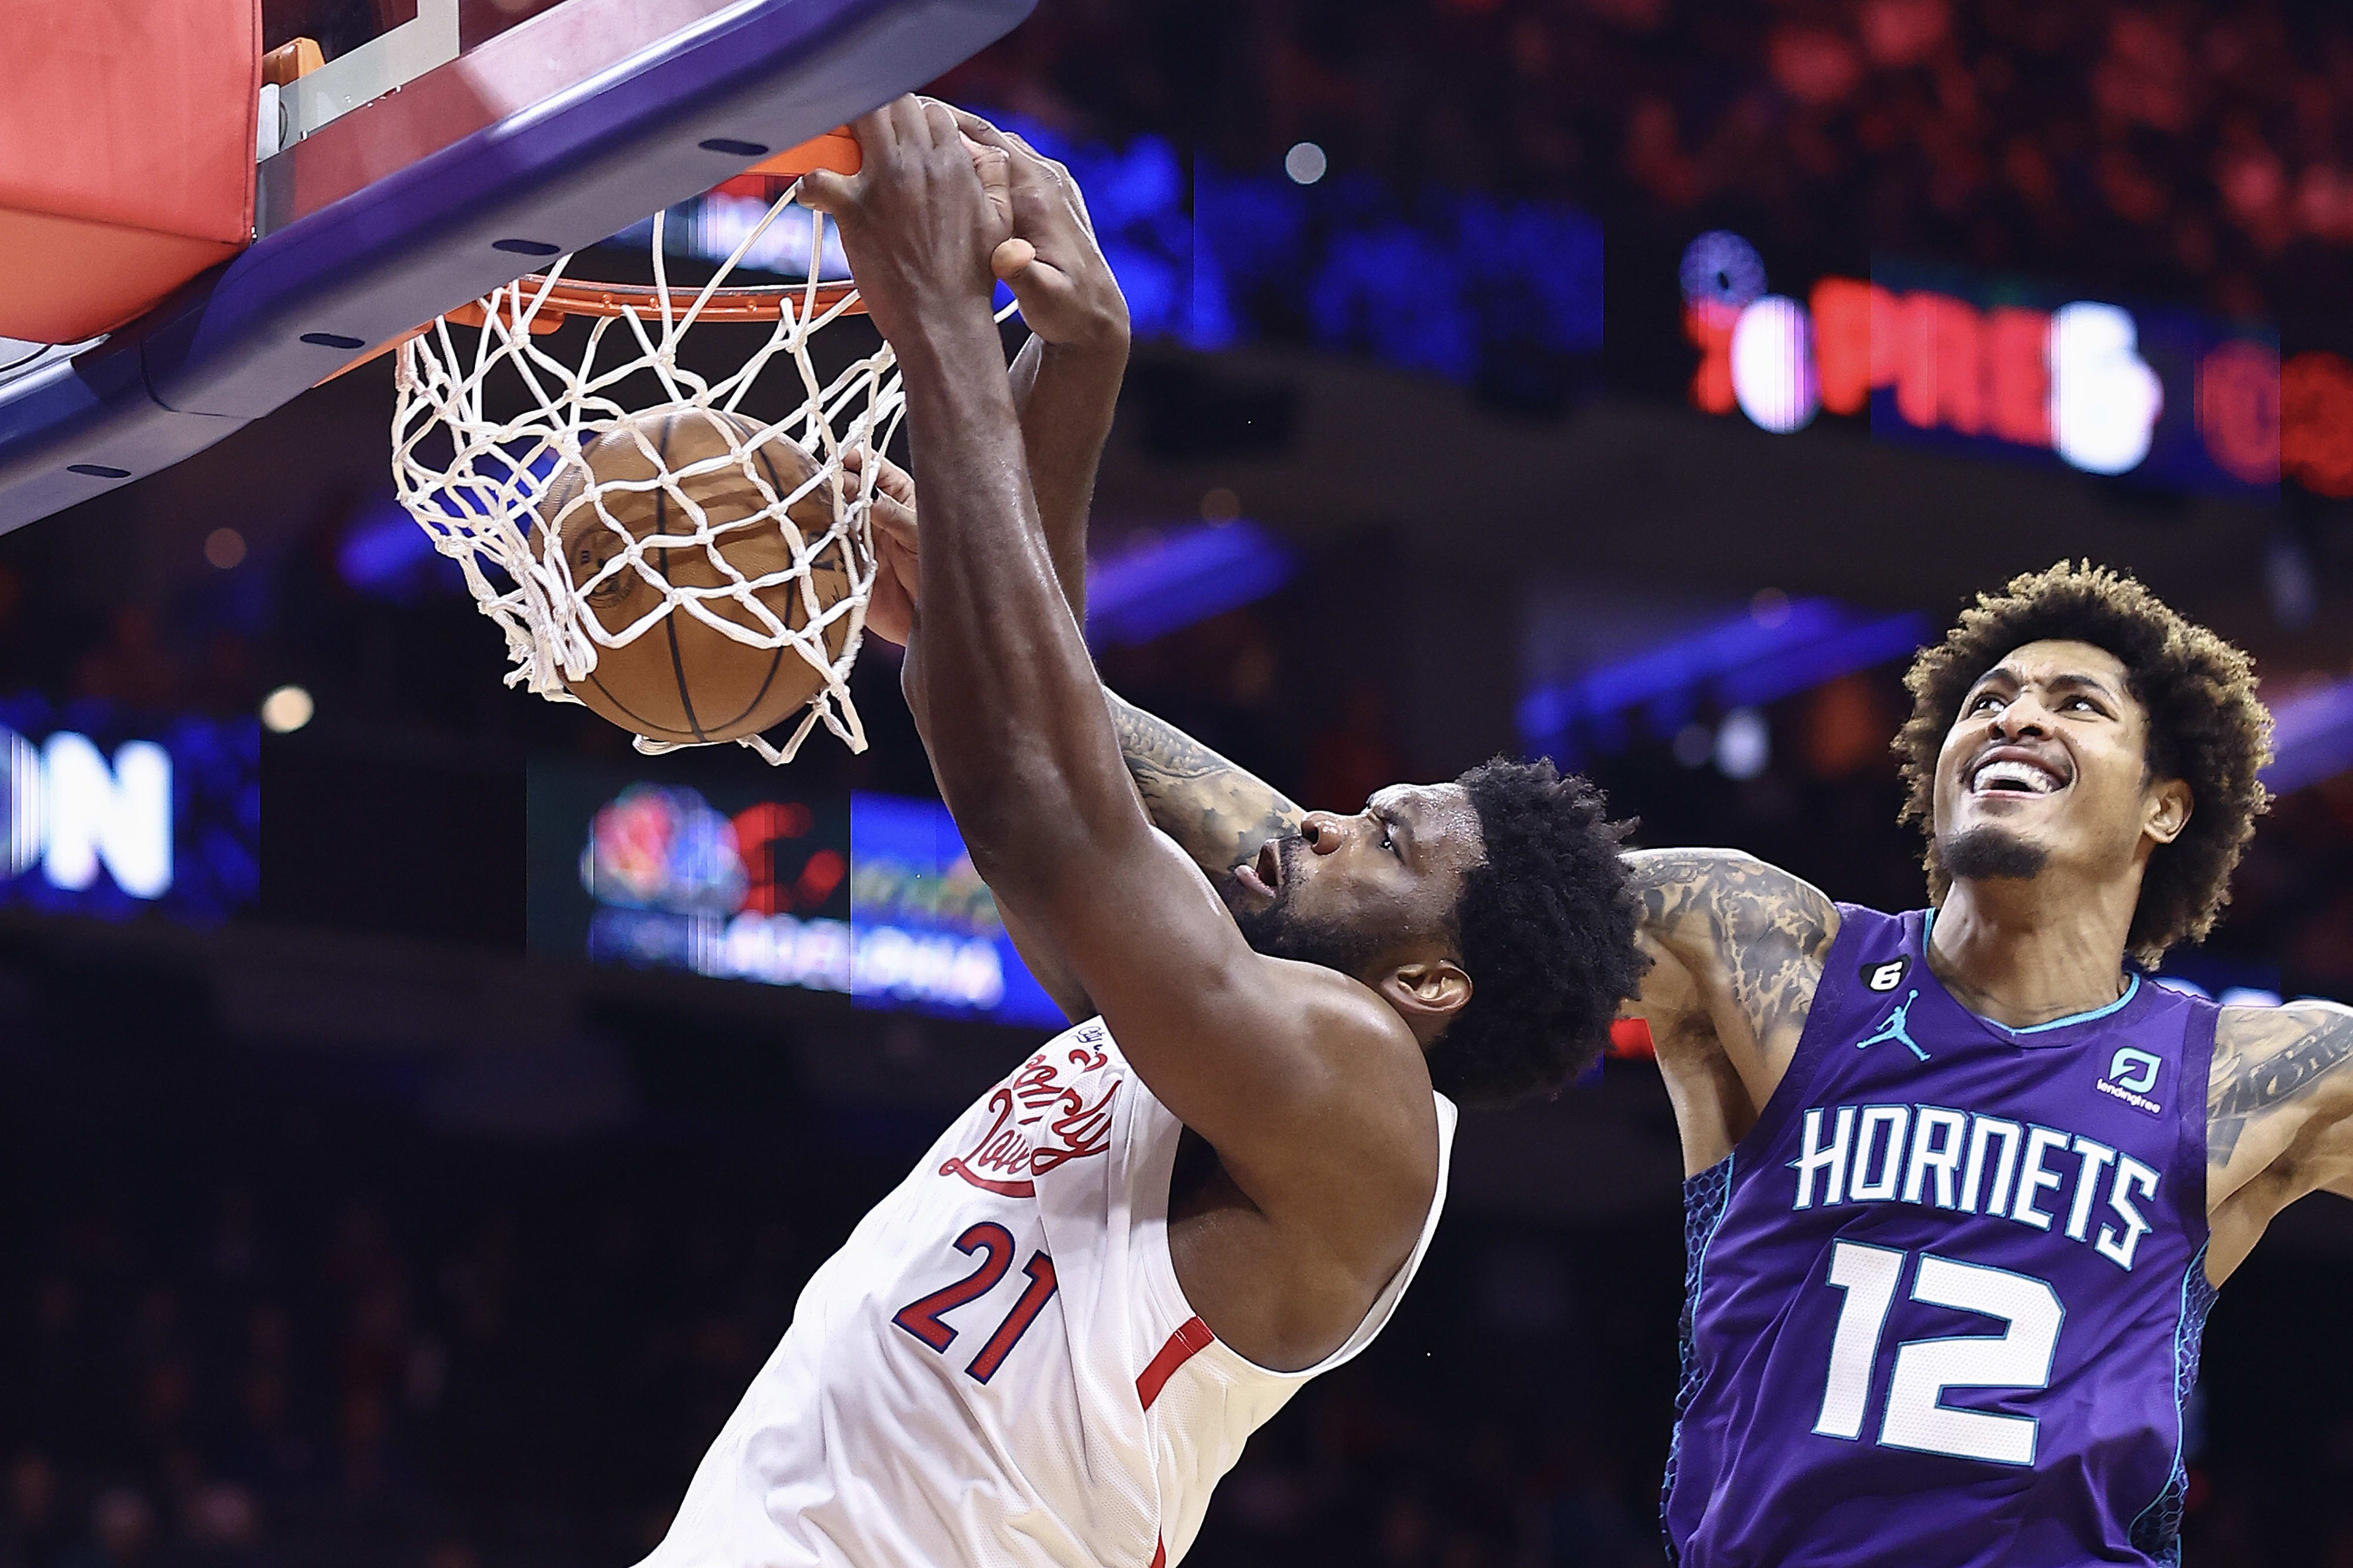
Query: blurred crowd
{"type": "Point", "coordinates": [259, 1309]}
{"type": "Point", "coordinates": [281, 1306]}
{"type": "Point", "coordinates": [2191, 148]}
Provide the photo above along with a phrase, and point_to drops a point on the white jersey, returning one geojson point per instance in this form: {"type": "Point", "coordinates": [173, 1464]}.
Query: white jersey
{"type": "Point", "coordinates": [998, 1370]}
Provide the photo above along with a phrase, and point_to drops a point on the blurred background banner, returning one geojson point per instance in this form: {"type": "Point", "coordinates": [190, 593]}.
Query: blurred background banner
{"type": "Point", "coordinates": [925, 931]}
{"type": "Point", "coordinates": [736, 878]}
{"type": "Point", "coordinates": [111, 813]}
{"type": "Point", "coordinates": [741, 879]}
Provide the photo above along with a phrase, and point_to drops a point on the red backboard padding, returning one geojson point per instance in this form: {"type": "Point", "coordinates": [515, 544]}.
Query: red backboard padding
{"type": "Point", "coordinates": [126, 156]}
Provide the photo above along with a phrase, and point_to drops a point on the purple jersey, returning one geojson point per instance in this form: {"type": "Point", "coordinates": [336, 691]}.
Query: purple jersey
{"type": "Point", "coordinates": [1944, 1299]}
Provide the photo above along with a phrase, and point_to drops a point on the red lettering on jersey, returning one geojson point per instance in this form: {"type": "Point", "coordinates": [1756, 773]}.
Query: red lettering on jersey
{"type": "Point", "coordinates": [1001, 1148]}
{"type": "Point", "coordinates": [1006, 1156]}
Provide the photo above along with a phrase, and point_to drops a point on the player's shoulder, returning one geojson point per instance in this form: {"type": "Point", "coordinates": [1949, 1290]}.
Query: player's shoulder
{"type": "Point", "coordinates": [1329, 1015]}
{"type": "Point", "coordinates": [2267, 1057]}
{"type": "Point", "coordinates": [1740, 898]}
{"type": "Point", "coordinates": [2311, 1023]}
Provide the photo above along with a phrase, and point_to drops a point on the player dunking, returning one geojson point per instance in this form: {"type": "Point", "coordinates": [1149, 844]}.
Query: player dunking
{"type": "Point", "coordinates": [1047, 1344]}
{"type": "Point", "coordinates": [1944, 1303]}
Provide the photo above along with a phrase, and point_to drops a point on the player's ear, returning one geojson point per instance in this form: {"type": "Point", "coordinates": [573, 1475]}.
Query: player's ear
{"type": "Point", "coordinates": [2166, 810]}
{"type": "Point", "coordinates": [1427, 991]}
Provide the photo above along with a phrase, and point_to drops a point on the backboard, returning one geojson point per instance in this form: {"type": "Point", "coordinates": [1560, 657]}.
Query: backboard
{"type": "Point", "coordinates": [438, 150]}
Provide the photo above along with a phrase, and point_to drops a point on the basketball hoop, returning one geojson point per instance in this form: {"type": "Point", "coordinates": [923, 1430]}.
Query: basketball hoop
{"type": "Point", "coordinates": [488, 438]}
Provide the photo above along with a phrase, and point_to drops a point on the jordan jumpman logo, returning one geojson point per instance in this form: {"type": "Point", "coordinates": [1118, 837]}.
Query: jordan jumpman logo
{"type": "Point", "coordinates": [1894, 1028]}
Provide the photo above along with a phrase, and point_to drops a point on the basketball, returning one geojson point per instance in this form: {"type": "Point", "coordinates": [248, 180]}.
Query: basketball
{"type": "Point", "coordinates": [681, 680]}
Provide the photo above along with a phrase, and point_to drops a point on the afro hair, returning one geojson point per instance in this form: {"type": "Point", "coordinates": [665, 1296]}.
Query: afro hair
{"type": "Point", "coordinates": [1546, 926]}
{"type": "Point", "coordinates": [2206, 727]}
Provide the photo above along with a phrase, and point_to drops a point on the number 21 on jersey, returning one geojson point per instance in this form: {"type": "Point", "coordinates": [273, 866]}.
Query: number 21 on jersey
{"type": "Point", "coordinates": [1915, 1416]}
{"type": "Point", "coordinates": [994, 1244]}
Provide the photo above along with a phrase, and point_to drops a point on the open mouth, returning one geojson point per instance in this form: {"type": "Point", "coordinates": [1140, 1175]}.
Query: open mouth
{"type": "Point", "coordinates": [1262, 874]}
{"type": "Point", "coordinates": [2016, 773]}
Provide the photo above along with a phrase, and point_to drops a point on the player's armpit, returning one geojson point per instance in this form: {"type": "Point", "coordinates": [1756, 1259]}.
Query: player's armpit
{"type": "Point", "coordinates": [1050, 967]}
{"type": "Point", "coordinates": [2279, 1104]}
{"type": "Point", "coordinates": [1311, 1087]}
{"type": "Point", "coordinates": [1217, 813]}
{"type": "Point", "coordinates": [1744, 938]}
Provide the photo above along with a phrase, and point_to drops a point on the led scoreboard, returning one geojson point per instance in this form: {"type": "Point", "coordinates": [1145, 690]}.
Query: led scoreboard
{"type": "Point", "coordinates": [1944, 358]}
{"type": "Point", "coordinates": [110, 813]}
{"type": "Point", "coordinates": [735, 877]}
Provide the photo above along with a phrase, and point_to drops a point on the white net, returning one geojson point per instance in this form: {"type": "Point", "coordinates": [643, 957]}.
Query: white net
{"type": "Point", "coordinates": [488, 438]}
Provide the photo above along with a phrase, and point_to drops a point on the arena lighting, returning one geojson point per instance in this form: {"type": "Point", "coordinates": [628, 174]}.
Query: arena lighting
{"type": "Point", "coordinates": [1721, 270]}
{"type": "Point", "coordinates": [2071, 381]}
{"type": "Point", "coordinates": [1207, 259]}
{"type": "Point", "coordinates": [384, 549]}
{"type": "Point", "coordinates": [2312, 738]}
{"type": "Point", "coordinates": [1773, 364]}
{"type": "Point", "coordinates": [712, 226]}
{"type": "Point", "coordinates": [925, 931]}
{"type": "Point", "coordinates": [2105, 399]}
{"type": "Point", "coordinates": [1742, 662]}
{"type": "Point", "coordinates": [2316, 422]}
{"type": "Point", "coordinates": [1743, 744]}
{"type": "Point", "coordinates": [1173, 579]}
{"type": "Point", "coordinates": [287, 709]}
{"type": "Point", "coordinates": [108, 815]}
{"type": "Point", "coordinates": [111, 816]}
{"type": "Point", "coordinates": [872, 897]}
{"type": "Point", "coordinates": [70, 812]}
{"type": "Point", "coordinates": [2167, 395]}
{"type": "Point", "coordinates": [384, 554]}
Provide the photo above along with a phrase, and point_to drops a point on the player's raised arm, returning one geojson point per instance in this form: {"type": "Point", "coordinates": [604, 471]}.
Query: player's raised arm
{"type": "Point", "coordinates": [1737, 948]}
{"type": "Point", "coordinates": [1303, 1080]}
{"type": "Point", "coordinates": [2279, 1118]}
{"type": "Point", "coordinates": [1220, 813]}
{"type": "Point", "coordinates": [1067, 378]}
{"type": "Point", "coordinates": [1748, 937]}
{"type": "Point", "coordinates": [1065, 382]}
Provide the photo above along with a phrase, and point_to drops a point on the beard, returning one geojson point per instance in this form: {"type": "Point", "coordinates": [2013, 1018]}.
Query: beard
{"type": "Point", "coordinates": [1278, 930]}
{"type": "Point", "coordinates": [1988, 853]}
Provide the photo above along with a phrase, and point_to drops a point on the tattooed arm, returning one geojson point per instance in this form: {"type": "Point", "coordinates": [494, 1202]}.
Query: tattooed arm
{"type": "Point", "coordinates": [1737, 945]}
{"type": "Point", "coordinates": [1737, 948]}
{"type": "Point", "coordinates": [2279, 1119]}
{"type": "Point", "coordinates": [1217, 813]}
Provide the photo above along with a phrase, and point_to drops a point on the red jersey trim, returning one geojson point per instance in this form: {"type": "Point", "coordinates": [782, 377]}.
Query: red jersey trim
{"type": "Point", "coordinates": [1191, 1338]}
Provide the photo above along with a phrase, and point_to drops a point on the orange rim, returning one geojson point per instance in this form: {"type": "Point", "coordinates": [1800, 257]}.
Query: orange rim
{"type": "Point", "coordinates": [836, 149]}
{"type": "Point", "coordinates": [566, 298]}
{"type": "Point", "coordinates": [569, 297]}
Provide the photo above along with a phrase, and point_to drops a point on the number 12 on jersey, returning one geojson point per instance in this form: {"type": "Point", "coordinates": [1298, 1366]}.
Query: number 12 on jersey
{"type": "Point", "coordinates": [1915, 1417]}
